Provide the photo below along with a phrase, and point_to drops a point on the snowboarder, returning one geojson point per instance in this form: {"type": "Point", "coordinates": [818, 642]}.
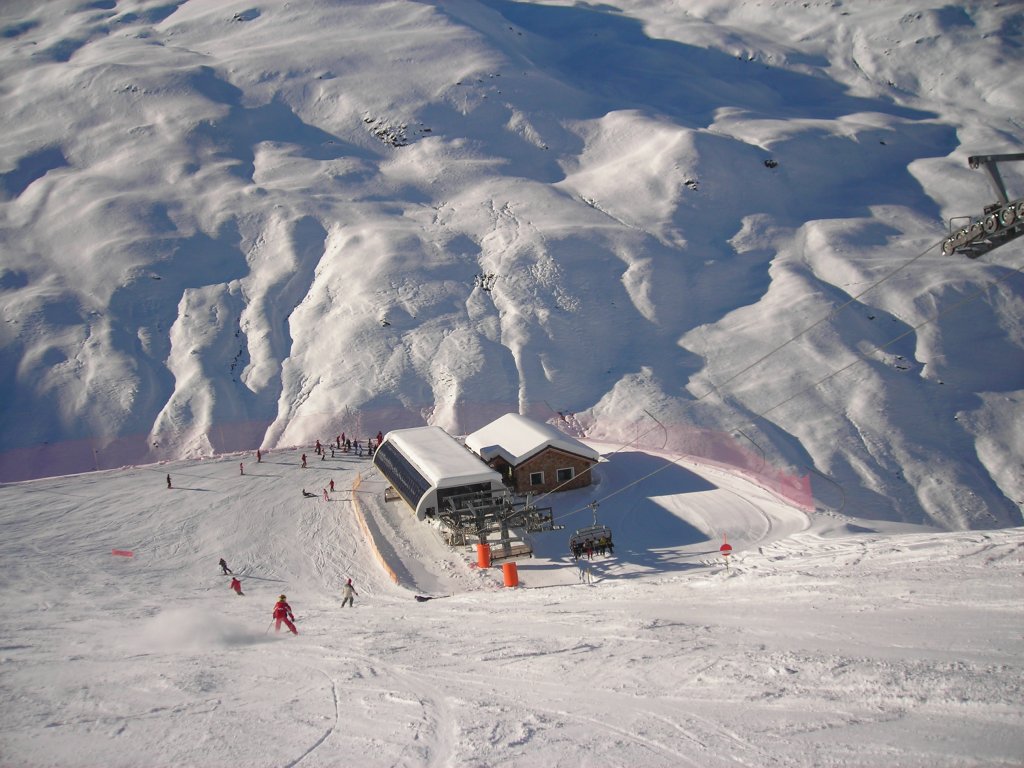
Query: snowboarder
{"type": "Point", "coordinates": [303, 461]}
{"type": "Point", "coordinates": [224, 567]}
{"type": "Point", "coordinates": [347, 591]}
{"type": "Point", "coordinates": [237, 586]}
{"type": "Point", "coordinates": [168, 481]}
{"type": "Point", "coordinates": [283, 612]}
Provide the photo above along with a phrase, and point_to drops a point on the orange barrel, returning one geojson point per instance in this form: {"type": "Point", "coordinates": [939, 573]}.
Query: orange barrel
{"type": "Point", "coordinates": [483, 555]}
{"type": "Point", "coordinates": [511, 574]}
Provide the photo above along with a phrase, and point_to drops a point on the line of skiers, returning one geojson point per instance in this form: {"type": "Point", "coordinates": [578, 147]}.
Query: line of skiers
{"type": "Point", "coordinates": [347, 445]}
{"type": "Point", "coordinates": [589, 547]}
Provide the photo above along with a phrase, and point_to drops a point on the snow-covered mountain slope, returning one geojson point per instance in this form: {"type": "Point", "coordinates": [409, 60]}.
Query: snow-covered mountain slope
{"type": "Point", "coordinates": [828, 641]}
{"type": "Point", "coordinates": [227, 224]}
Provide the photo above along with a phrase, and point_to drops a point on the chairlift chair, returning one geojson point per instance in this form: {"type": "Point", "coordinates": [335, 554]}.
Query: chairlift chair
{"type": "Point", "coordinates": [595, 531]}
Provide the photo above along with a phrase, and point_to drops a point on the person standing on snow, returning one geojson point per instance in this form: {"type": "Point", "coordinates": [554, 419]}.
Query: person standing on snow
{"type": "Point", "coordinates": [303, 461]}
{"type": "Point", "coordinates": [347, 591]}
{"type": "Point", "coordinates": [224, 567]}
{"type": "Point", "coordinates": [237, 586]}
{"type": "Point", "coordinates": [283, 612]}
{"type": "Point", "coordinates": [168, 481]}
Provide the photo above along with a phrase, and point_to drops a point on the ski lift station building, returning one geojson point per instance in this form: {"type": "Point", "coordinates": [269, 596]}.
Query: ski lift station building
{"type": "Point", "coordinates": [426, 466]}
{"type": "Point", "coordinates": [533, 456]}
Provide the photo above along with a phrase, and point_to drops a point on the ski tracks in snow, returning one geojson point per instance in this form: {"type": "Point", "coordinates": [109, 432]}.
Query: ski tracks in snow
{"type": "Point", "coordinates": [330, 730]}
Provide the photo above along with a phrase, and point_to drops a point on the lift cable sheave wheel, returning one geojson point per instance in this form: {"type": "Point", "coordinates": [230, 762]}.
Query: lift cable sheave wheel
{"type": "Point", "coordinates": [1000, 222]}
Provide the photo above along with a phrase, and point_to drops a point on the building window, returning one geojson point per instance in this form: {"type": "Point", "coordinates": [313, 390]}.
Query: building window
{"type": "Point", "coordinates": [536, 478]}
{"type": "Point", "coordinates": [565, 475]}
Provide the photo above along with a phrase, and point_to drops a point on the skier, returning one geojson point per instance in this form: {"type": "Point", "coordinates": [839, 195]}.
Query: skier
{"type": "Point", "coordinates": [347, 591]}
{"type": "Point", "coordinates": [168, 481]}
{"type": "Point", "coordinates": [259, 456]}
{"type": "Point", "coordinates": [326, 497]}
{"type": "Point", "coordinates": [237, 586]}
{"type": "Point", "coordinates": [319, 449]}
{"type": "Point", "coordinates": [303, 461]}
{"type": "Point", "coordinates": [224, 567]}
{"type": "Point", "coordinates": [241, 468]}
{"type": "Point", "coordinates": [337, 442]}
{"type": "Point", "coordinates": [331, 486]}
{"type": "Point", "coordinates": [283, 612]}
{"type": "Point", "coordinates": [380, 438]}
{"type": "Point", "coordinates": [307, 494]}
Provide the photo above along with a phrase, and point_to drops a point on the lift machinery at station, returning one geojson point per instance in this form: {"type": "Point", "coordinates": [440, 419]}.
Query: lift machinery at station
{"type": "Point", "coordinates": [496, 519]}
{"type": "Point", "coordinates": [999, 223]}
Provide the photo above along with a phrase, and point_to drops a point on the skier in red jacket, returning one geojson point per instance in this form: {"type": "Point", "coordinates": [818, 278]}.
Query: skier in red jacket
{"type": "Point", "coordinates": [237, 586]}
{"type": "Point", "coordinates": [283, 612]}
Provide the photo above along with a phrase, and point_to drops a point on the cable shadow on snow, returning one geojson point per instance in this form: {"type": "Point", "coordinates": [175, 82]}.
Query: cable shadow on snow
{"type": "Point", "coordinates": [648, 535]}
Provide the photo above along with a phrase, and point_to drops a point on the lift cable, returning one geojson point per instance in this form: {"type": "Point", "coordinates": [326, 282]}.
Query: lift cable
{"type": "Point", "coordinates": [588, 469]}
{"type": "Point", "coordinates": [864, 357]}
{"type": "Point", "coordinates": [673, 461]}
{"type": "Point", "coordinates": [829, 316]}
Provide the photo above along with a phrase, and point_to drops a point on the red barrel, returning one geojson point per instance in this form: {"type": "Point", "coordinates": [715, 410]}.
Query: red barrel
{"type": "Point", "coordinates": [483, 555]}
{"type": "Point", "coordinates": [511, 574]}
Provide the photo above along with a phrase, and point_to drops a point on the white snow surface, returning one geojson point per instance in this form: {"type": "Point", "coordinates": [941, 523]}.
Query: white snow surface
{"type": "Point", "coordinates": [827, 641]}
{"type": "Point", "coordinates": [701, 236]}
{"type": "Point", "coordinates": [516, 438]}
{"type": "Point", "coordinates": [229, 225]}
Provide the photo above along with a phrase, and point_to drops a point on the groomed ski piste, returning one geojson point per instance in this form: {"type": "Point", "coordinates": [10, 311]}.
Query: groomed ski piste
{"type": "Point", "coordinates": [827, 641]}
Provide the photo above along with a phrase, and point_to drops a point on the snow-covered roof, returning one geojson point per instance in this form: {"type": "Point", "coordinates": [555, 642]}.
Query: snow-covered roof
{"type": "Point", "coordinates": [516, 438]}
{"type": "Point", "coordinates": [440, 457]}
